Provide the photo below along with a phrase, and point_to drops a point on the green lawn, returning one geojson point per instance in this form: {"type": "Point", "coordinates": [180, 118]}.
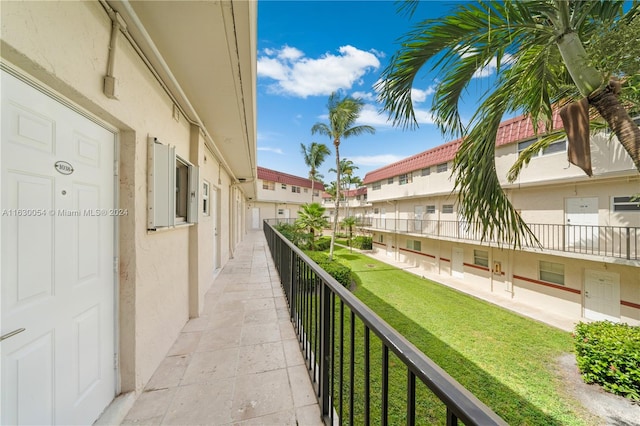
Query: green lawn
{"type": "Point", "coordinates": [507, 361]}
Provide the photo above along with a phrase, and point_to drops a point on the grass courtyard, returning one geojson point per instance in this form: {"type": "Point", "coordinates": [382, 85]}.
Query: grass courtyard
{"type": "Point", "coordinates": [509, 362]}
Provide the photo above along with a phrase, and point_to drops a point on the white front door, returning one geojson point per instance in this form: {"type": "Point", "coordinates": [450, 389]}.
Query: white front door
{"type": "Point", "coordinates": [457, 262]}
{"type": "Point", "coordinates": [215, 215]}
{"type": "Point", "coordinates": [57, 261]}
{"type": "Point", "coordinates": [255, 218]}
{"type": "Point", "coordinates": [286, 214]}
{"type": "Point", "coordinates": [601, 295]}
{"type": "Point", "coordinates": [581, 219]}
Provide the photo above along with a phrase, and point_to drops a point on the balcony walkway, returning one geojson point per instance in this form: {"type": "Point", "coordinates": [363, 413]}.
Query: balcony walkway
{"type": "Point", "coordinates": [240, 362]}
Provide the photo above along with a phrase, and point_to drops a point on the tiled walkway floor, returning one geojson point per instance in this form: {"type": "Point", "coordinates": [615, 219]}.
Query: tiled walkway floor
{"type": "Point", "coordinates": [239, 363]}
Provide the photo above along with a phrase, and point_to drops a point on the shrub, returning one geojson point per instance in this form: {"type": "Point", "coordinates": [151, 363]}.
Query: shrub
{"type": "Point", "coordinates": [323, 243]}
{"type": "Point", "coordinates": [362, 243]}
{"type": "Point", "coordinates": [609, 354]}
{"type": "Point", "coordinates": [340, 272]}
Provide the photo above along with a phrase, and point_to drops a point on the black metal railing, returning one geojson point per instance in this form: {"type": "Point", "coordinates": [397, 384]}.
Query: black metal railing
{"type": "Point", "coordinates": [611, 241]}
{"type": "Point", "coordinates": [362, 369]}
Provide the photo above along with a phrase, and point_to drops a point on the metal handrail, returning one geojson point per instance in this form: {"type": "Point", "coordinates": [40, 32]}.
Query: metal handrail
{"type": "Point", "coordinates": [611, 241]}
{"type": "Point", "coordinates": [296, 271]}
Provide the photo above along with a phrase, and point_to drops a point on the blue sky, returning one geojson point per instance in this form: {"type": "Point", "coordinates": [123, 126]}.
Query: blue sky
{"type": "Point", "coordinates": [308, 49]}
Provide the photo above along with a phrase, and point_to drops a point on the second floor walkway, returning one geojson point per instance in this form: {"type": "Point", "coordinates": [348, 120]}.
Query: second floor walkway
{"type": "Point", "coordinates": [240, 361]}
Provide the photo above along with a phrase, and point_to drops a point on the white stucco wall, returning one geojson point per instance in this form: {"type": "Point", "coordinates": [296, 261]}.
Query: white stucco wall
{"type": "Point", "coordinates": [65, 45]}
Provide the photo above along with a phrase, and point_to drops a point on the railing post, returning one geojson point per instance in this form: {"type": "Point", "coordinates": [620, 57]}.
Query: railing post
{"type": "Point", "coordinates": [628, 243]}
{"type": "Point", "coordinates": [292, 285]}
{"type": "Point", "coordinates": [325, 349]}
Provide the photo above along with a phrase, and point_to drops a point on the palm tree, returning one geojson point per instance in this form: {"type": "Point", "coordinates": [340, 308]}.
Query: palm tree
{"type": "Point", "coordinates": [311, 218]}
{"type": "Point", "coordinates": [346, 173]}
{"type": "Point", "coordinates": [349, 223]}
{"type": "Point", "coordinates": [343, 114]}
{"type": "Point", "coordinates": [314, 155]}
{"type": "Point", "coordinates": [541, 63]}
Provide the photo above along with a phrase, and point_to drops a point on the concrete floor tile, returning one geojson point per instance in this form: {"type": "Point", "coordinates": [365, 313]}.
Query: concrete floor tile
{"type": "Point", "coordinates": [286, 330]}
{"type": "Point", "coordinates": [260, 394]}
{"type": "Point", "coordinates": [309, 415]}
{"type": "Point", "coordinates": [219, 338]}
{"type": "Point", "coordinates": [292, 352]}
{"type": "Point", "coordinates": [260, 358]}
{"type": "Point", "coordinates": [196, 324]}
{"type": "Point", "coordinates": [284, 418]}
{"type": "Point", "coordinates": [258, 304]}
{"type": "Point", "coordinates": [301, 387]}
{"type": "Point", "coordinates": [225, 319]}
{"type": "Point", "coordinates": [201, 404]}
{"type": "Point", "coordinates": [263, 333]}
{"type": "Point", "coordinates": [211, 366]}
{"type": "Point", "coordinates": [185, 344]}
{"type": "Point", "coordinates": [230, 305]}
{"type": "Point", "coordinates": [150, 406]}
{"type": "Point", "coordinates": [262, 316]}
{"type": "Point", "coordinates": [170, 372]}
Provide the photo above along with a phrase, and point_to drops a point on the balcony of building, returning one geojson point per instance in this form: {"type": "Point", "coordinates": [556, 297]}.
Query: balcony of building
{"type": "Point", "coordinates": [619, 242]}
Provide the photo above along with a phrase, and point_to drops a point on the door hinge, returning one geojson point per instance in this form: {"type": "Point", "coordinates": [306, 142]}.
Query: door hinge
{"type": "Point", "coordinates": [116, 265]}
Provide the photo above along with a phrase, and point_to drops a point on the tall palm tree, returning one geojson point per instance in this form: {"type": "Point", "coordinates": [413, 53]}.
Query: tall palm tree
{"type": "Point", "coordinates": [314, 155]}
{"type": "Point", "coordinates": [541, 62]}
{"type": "Point", "coordinates": [343, 113]}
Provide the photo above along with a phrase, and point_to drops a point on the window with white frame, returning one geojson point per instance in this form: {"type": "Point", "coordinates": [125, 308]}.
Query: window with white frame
{"type": "Point", "coordinates": [481, 258]}
{"type": "Point", "coordinates": [426, 171]}
{"type": "Point", "coordinates": [551, 272]}
{"type": "Point", "coordinates": [405, 179]}
{"type": "Point", "coordinates": [559, 146]}
{"type": "Point", "coordinates": [283, 186]}
{"type": "Point", "coordinates": [205, 198]}
{"type": "Point", "coordinates": [295, 189]}
{"type": "Point", "coordinates": [381, 238]}
{"type": "Point", "coordinates": [390, 180]}
{"type": "Point", "coordinates": [376, 210]}
{"type": "Point", "coordinates": [316, 193]}
{"type": "Point", "coordinates": [626, 204]}
{"type": "Point", "coordinates": [268, 185]}
{"type": "Point", "coordinates": [440, 168]}
{"type": "Point", "coordinates": [306, 190]}
{"type": "Point", "coordinates": [447, 208]}
{"type": "Point", "coordinates": [414, 245]}
{"type": "Point", "coordinates": [376, 185]}
{"type": "Point", "coordinates": [431, 209]}
{"type": "Point", "coordinates": [172, 187]}
{"type": "Point", "coordinates": [280, 212]}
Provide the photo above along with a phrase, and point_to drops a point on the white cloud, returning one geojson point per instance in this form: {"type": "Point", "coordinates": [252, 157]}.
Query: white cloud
{"type": "Point", "coordinates": [299, 76]}
{"type": "Point", "coordinates": [372, 117]}
{"type": "Point", "coordinates": [418, 95]}
{"type": "Point", "coordinates": [365, 96]}
{"type": "Point", "coordinates": [491, 67]}
{"type": "Point", "coordinates": [376, 160]}
{"type": "Point", "coordinates": [274, 150]}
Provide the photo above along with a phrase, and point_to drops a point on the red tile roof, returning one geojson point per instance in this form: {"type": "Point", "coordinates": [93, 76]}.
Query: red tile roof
{"type": "Point", "coordinates": [512, 130]}
{"type": "Point", "coordinates": [350, 193]}
{"type": "Point", "coordinates": [275, 176]}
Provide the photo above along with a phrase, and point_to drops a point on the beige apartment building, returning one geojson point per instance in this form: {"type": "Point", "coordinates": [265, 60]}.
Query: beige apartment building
{"type": "Point", "coordinates": [280, 196]}
{"type": "Point", "coordinates": [353, 203]}
{"type": "Point", "coordinates": [587, 266]}
{"type": "Point", "coordinates": [128, 160]}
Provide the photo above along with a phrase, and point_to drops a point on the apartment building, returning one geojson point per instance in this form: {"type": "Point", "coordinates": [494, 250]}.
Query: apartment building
{"type": "Point", "coordinates": [587, 263]}
{"type": "Point", "coordinates": [280, 195]}
{"type": "Point", "coordinates": [128, 157]}
{"type": "Point", "coordinates": [353, 203]}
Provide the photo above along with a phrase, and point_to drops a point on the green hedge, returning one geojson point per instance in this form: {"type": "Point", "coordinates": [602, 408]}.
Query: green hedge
{"type": "Point", "coordinates": [362, 243]}
{"type": "Point", "coordinates": [340, 272]}
{"type": "Point", "coordinates": [323, 243]}
{"type": "Point", "coordinates": [609, 354]}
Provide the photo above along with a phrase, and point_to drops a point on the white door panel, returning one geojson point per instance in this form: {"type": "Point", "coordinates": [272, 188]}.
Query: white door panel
{"type": "Point", "coordinates": [57, 261]}
{"type": "Point", "coordinates": [457, 262]}
{"type": "Point", "coordinates": [601, 295]}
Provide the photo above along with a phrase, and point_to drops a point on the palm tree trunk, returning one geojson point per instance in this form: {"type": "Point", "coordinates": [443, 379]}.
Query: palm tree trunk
{"type": "Point", "coordinates": [336, 143]}
{"type": "Point", "coordinates": [609, 107]}
{"type": "Point", "coordinates": [312, 180]}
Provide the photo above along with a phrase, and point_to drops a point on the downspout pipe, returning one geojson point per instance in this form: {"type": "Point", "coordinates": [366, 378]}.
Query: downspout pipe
{"type": "Point", "coordinates": [133, 22]}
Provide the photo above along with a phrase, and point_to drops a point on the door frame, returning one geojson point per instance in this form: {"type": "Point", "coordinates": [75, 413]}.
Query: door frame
{"type": "Point", "coordinates": [115, 270]}
{"type": "Point", "coordinates": [616, 279]}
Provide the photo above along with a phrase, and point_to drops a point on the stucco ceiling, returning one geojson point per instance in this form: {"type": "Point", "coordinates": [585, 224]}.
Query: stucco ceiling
{"type": "Point", "coordinates": [210, 48]}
